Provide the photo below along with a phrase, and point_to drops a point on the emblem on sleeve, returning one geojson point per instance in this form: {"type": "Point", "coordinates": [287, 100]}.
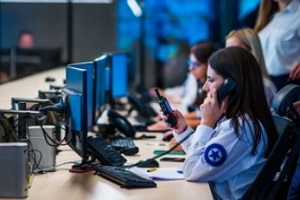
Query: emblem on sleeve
{"type": "Point", "coordinates": [215, 155]}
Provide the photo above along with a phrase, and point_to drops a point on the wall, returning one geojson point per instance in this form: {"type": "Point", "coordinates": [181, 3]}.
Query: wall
{"type": "Point", "coordinates": [93, 27]}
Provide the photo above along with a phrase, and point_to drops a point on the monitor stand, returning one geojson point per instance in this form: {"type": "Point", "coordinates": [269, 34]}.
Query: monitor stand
{"type": "Point", "coordinates": [83, 167]}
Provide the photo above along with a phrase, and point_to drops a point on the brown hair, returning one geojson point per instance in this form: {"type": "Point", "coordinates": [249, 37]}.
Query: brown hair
{"type": "Point", "coordinates": [203, 51]}
{"type": "Point", "coordinates": [251, 41]}
{"type": "Point", "coordinates": [267, 8]}
{"type": "Point", "coordinates": [248, 100]}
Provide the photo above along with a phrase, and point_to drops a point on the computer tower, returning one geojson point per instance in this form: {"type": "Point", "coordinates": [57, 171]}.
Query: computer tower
{"type": "Point", "coordinates": [41, 151]}
{"type": "Point", "coordinates": [13, 170]}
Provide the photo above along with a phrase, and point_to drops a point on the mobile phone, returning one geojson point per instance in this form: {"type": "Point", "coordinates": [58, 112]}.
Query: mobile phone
{"type": "Point", "coordinates": [172, 159]}
{"type": "Point", "coordinates": [166, 109]}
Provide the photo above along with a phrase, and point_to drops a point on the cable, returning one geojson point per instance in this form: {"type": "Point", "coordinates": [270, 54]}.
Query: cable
{"type": "Point", "coordinates": [145, 161]}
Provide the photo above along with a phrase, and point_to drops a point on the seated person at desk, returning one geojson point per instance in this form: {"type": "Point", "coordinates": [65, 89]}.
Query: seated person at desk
{"type": "Point", "coordinates": [235, 137]}
{"type": "Point", "coordinates": [26, 40]}
{"type": "Point", "coordinates": [180, 94]}
{"type": "Point", "coordinates": [4, 77]}
{"type": "Point", "coordinates": [249, 40]}
{"type": "Point", "coordinates": [198, 66]}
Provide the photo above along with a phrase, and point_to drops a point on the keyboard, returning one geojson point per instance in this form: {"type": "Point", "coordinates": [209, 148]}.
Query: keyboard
{"type": "Point", "coordinates": [124, 145]}
{"type": "Point", "coordinates": [105, 152]}
{"type": "Point", "coordinates": [123, 177]}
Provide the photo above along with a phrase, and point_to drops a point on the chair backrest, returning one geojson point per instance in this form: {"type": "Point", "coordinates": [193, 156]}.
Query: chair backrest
{"type": "Point", "coordinates": [282, 158]}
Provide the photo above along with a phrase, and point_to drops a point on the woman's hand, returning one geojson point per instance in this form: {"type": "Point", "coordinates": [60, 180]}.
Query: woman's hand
{"type": "Point", "coordinates": [295, 73]}
{"type": "Point", "coordinates": [153, 93]}
{"type": "Point", "coordinates": [292, 115]}
{"type": "Point", "coordinates": [181, 123]}
{"type": "Point", "coordinates": [156, 126]}
{"type": "Point", "coordinates": [174, 142]}
{"type": "Point", "coordinates": [211, 110]}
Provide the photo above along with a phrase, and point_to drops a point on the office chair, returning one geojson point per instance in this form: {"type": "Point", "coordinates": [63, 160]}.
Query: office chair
{"type": "Point", "coordinates": [285, 152]}
{"type": "Point", "coordinates": [283, 156]}
{"type": "Point", "coordinates": [285, 98]}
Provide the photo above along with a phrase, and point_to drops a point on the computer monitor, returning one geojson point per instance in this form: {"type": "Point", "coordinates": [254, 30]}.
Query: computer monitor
{"type": "Point", "coordinates": [111, 78]}
{"type": "Point", "coordinates": [89, 67]}
{"type": "Point", "coordinates": [119, 75]}
{"type": "Point", "coordinates": [101, 83]}
{"type": "Point", "coordinates": [75, 97]}
{"type": "Point", "coordinates": [116, 76]}
{"type": "Point", "coordinates": [131, 62]}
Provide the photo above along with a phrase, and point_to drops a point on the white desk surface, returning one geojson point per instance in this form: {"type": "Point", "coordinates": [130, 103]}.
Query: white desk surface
{"type": "Point", "coordinates": [28, 87]}
{"type": "Point", "coordinates": [62, 184]}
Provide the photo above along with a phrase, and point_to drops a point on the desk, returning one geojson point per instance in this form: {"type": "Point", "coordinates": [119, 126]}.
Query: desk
{"type": "Point", "coordinates": [62, 184]}
{"type": "Point", "coordinates": [28, 87]}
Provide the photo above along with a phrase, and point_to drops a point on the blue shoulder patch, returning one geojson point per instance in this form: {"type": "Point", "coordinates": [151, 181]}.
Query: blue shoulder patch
{"type": "Point", "coordinates": [215, 155]}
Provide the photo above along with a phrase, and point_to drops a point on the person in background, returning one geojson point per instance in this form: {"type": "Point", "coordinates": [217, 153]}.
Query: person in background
{"type": "Point", "coordinates": [197, 63]}
{"type": "Point", "coordinates": [278, 27]}
{"type": "Point", "coordinates": [235, 137]}
{"type": "Point", "coordinates": [183, 94]}
{"type": "Point", "coordinates": [26, 40]}
{"type": "Point", "coordinates": [4, 77]}
{"type": "Point", "coordinates": [248, 39]}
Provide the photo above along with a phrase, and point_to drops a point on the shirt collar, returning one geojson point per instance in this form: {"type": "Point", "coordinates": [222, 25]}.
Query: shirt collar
{"type": "Point", "coordinates": [293, 6]}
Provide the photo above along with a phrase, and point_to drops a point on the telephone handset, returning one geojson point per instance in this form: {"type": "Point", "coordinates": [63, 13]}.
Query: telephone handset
{"type": "Point", "coordinates": [166, 109]}
{"type": "Point", "coordinates": [121, 123]}
{"type": "Point", "coordinates": [227, 87]}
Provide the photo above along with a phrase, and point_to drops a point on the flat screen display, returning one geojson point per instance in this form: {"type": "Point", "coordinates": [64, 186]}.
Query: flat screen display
{"type": "Point", "coordinates": [89, 67]}
{"type": "Point", "coordinates": [119, 74]}
{"type": "Point", "coordinates": [75, 103]}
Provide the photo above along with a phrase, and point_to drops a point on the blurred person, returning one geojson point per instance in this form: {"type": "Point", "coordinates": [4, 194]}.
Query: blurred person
{"type": "Point", "coordinates": [4, 77]}
{"type": "Point", "coordinates": [248, 39]}
{"type": "Point", "coordinates": [26, 40]}
{"type": "Point", "coordinates": [181, 94]}
{"type": "Point", "coordinates": [278, 27]}
{"type": "Point", "coordinates": [197, 63]}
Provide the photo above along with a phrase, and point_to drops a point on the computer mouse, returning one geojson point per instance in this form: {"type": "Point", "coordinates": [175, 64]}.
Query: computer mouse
{"type": "Point", "coordinates": [148, 163]}
{"type": "Point", "coordinates": [49, 79]}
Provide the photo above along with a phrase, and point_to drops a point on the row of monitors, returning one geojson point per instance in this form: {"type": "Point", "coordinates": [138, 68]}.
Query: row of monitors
{"type": "Point", "coordinates": [90, 86]}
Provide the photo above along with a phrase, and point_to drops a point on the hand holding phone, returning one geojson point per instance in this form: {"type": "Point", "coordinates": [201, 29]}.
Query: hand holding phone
{"type": "Point", "coordinates": [166, 109]}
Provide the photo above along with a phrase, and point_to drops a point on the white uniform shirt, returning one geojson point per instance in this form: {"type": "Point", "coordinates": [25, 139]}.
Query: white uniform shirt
{"type": "Point", "coordinates": [186, 92]}
{"type": "Point", "coordinates": [280, 40]}
{"type": "Point", "coordinates": [221, 158]}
